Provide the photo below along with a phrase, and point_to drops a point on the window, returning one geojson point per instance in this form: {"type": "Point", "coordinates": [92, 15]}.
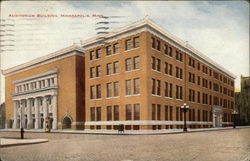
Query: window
{"type": "Point", "coordinates": [109, 89]}
{"type": "Point", "coordinates": [153, 86]}
{"type": "Point", "coordinates": [136, 42]}
{"type": "Point", "coordinates": [109, 113]}
{"type": "Point", "coordinates": [199, 115]}
{"type": "Point", "coordinates": [177, 113]}
{"type": "Point", "coordinates": [171, 113]}
{"type": "Point", "coordinates": [158, 65]}
{"type": "Point", "coordinates": [178, 72]}
{"type": "Point", "coordinates": [116, 48]}
{"type": "Point", "coordinates": [199, 80]}
{"type": "Point", "coordinates": [153, 63]}
{"type": "Point", "coordinates": [98, 71]}
{"type": "Point", "coordinates": [168, 89]}
{"type": "Point", "coordinates": [128, 63]}
{"type": "Point", "coordinates": [158, 112]}
{"type": "Point", "coordinates": [136, 86]}
{"type": "Point", "coordinates": [153, 42]}
{"type": "Point", "coordinates": [92, 113]}
{"type": "Point", "coordinates": [128, 44]}
{"type": "Point", "coordinates": [92, 55]}
{"type": "Point", "coordinates": [128, 112]}
{"type": "Point", "coordinates": [98, 113]}
{"type": "Point", "coordinates": [116, 112]}
{"type": "Point", "coordinates": [136, 111]}
{"type": "Point", "coordinates": [92, 91]}
{"type": "Point", "coordinates": [92, 72]}
{"type": "Point", "coordinates": [153, 111]}
{"type": "Point", "coordinates": [178, 92]}
{"type": "Point", "coordinates": [158, 87]}
{"type": "Point", "coordinates": [198, 97]}
{"type": "Point", "coordinates": [109, 69]}
{"type": "Point", "coordinates": [178, 56]}
{"type": "Point", "coordinates": [168, 68]}
{"type": "Point", "coordinates": [128, 87]}
{"type": "Point", "coordinates": [98, 91]}
{"type": "Point", "coordinates": [116, 67]}
{"type": "Point", "coordinates": [158, 45]}
{"type": "Point", "coordinates": [191, 95]}
{"type": "Point", "coordinates": [116, 89]}
{"type": "Point", "coordinates": [166, 113]}
{"type": "Point", "coordinates": [108, 50]}
{"type": "Point", "coordinates": [136, 62]}
{"type": "Point", "coordinates": [98, 53]}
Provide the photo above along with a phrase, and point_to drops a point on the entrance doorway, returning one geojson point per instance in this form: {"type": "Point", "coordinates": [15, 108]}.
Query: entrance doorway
{"type": "Point", "coordinates": [67, 123]}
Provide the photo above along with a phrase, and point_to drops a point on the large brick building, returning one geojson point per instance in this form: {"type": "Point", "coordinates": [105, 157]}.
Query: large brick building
{"type": "Point", "coordinates": [140, 76]}
{"type": "Point", "coordinates": [49, 86]}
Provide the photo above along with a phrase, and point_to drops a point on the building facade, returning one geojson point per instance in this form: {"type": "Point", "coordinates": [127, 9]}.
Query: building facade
{"type": "Point", "coordinates": [140, 76]}
{"type": "Point", "coordinates": [48, 87]}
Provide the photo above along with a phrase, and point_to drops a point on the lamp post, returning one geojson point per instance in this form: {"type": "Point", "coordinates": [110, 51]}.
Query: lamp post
{"type": "Point", "coordinates": [234, 117]}
{"type": "Point", "coordinates": [185, 109]}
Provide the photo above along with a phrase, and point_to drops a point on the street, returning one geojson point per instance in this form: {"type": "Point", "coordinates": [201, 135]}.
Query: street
{"type": "Point", "coordinates": [221, 145]}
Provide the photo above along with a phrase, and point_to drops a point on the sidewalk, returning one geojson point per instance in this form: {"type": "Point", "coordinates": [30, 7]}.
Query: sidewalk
{"type": "Point", "coordinates": [6, 142]}
{"type": "Point", "coordinates": [126, 132]}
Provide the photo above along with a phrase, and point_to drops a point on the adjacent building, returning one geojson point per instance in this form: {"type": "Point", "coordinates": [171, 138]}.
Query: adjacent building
{"type": "Point", "coordinates": [242, 99]}
{"type": "Point", "coordinates": [140, 76]}
{"type": "Point", "coordinates": [51, 86]}
{"type": "Point", "coordinates": [2, 116]}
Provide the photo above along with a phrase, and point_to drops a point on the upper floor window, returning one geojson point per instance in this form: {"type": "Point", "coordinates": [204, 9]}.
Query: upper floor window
{"type": "Point", "coordinates": [109, 68]}
{"type": "Point", "coordinates": [136, 42]}
{"type": "Point", "coordinates": [116, 67]}
{"type": "Point", "coordinates": [98, 53]}
{"type": "Point", "coordinates": [136, 62]}
{"type": "Point", "coordinates": [128, 64]}
{"type": "Point", "coordinates": [92, 55]}
{"type": "Point", "coordinates": [128, 44]}
{"type": "Point", "coordinates": [108, 50]}
{"type": "Point", "coordinates": [178, 56]}
{"type": "Point", "coordinates": [158, 45]}
{"type": "Point", "coordinates": [116, 48]}
{"type": "Point", "coordinates": [153, 43]}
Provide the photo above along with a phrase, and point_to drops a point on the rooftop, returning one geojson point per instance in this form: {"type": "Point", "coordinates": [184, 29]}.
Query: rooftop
{"type": "Point", "coordinates": [150, 25]}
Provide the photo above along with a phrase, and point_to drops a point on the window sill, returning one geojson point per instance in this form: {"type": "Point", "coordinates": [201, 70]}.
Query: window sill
{"type": "Point", "coordinates": [132, 95]}
{"type": "Point", "coordinates": [132, 70]}
{"type": "Point", "coordinates": [112, 97]}
{"type": "Point", "coordinates": [156, 95]}
{"type": "Point", "coordinates": [96, 99]}
{"type": "Point", "coordinates": [131, 49]}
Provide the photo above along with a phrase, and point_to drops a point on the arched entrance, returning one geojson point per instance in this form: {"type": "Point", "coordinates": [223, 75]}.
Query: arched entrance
{"type": "Point", "coordinates": [67, 122]}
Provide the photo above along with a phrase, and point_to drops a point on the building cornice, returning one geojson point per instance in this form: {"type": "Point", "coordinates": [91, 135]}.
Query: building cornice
{"type": "Point", "coordinates": [148, 25]}
{"type": "Point", "coordinates": [60, 54]}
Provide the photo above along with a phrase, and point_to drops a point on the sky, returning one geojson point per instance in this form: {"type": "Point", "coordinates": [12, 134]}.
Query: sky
{"type": "Point", "coordinates": [218, 29]}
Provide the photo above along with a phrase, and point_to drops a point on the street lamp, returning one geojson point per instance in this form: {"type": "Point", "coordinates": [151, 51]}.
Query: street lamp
{"type": "Point", "coordinates": [185, 109]}
{"type": "Point", "coordinates": [234, 117]}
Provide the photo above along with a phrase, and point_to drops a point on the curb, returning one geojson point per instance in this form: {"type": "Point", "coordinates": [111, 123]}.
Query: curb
{"type": "Point", "coordinates": [20, 144]}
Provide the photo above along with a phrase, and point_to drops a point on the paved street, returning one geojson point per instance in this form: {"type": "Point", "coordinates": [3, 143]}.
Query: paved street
{"type": "Point", "coordinates": [222, 145]}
